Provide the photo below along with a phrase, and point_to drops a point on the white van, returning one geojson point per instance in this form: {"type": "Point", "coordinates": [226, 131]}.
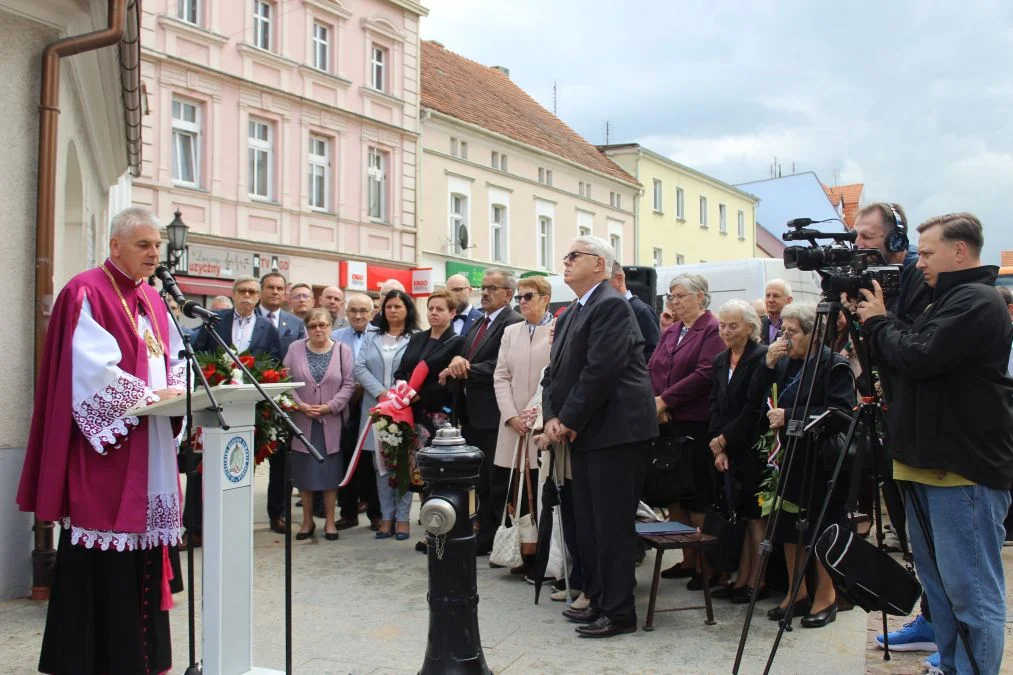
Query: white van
{"type": "Point", "coordinates": [742, 279]}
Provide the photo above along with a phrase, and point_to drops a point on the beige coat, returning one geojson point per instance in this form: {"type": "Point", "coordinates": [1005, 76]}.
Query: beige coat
{"type": "Point", "coordinates": [515, 380]}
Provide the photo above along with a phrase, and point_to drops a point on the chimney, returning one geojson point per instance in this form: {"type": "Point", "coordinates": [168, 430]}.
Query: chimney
{"type": "Point", "coordinates": [502, 69]}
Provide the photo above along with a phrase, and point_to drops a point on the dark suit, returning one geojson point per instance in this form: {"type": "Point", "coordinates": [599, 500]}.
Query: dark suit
{"type": "Point", "coordinates": [264, 340]}
{"type": "Point", "coordinates": [433, 396]}
{"type": "Point", "coordinates": [480, 417]}
{"type": "Point", "coordinates": [290, 328]}
{"type": "Point", "coordinates": [597, 385]}
{"type": "Point", "coordinates": [735, 412]}
{"type": "Point", "coordinates": [469, 320]}
{"type": "Point", "coordinates": [648, 322]}
{"type": "Point", "coordinates": [765, 331]}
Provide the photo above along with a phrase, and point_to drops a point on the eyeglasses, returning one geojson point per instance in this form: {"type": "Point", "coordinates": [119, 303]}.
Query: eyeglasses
{"type": "Point", "coordinates": [247, 291]}
{"type": "Point", "coordinates": [526, 297]}
{"type": "Point", "coordinates": [789, 333]}
{"type": "Point", "coordinates": [572, 255]}
{"type": "Point", "coordinates": [672, 297]}
{"type": "Point", "coordinates": [314, 326]}
{"type": "Point", "coordinates": [493, 289]}
{"type": "Point", "coordinates": [300, 296]}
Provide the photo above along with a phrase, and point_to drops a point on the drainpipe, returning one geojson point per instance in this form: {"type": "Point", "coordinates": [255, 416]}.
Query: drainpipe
{"type": "Point", "coordinates": [43, 555]}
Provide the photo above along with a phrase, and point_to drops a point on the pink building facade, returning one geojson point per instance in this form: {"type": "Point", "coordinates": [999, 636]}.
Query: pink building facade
{"type": "Point", "coordinates": [286, 132]}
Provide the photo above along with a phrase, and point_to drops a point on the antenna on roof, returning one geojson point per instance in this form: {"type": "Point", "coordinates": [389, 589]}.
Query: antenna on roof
{"type": "Point", "coordinates": [606, 132]}
{"type": "Point", "coordinates": [554, 97]}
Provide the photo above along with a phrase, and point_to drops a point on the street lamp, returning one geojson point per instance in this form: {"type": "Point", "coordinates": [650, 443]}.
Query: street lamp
{"type": "Point", "coordinates": [176, 230]}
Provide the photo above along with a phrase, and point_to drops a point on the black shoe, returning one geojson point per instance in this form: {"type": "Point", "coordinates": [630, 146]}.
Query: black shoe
{"type": "Point", "coordinates": [422, 547]}
{"type": "Point", "coordinates": [586, 615]}
{"type": "Point", "coordinates": [278, 525]}
{"type": "Point", "coordinates": [306, 535]}
{"type": "Point", "coordinates": [744, 595]}
{"type": "Point", "coordinates": [820, 619]}
{"type": "Point", "coordinates": [677, 571]}
{"type": "Point", "coordinates": [696, 583]}
{"type": "Point", "coordinates": [605, 627]}
{"type": "Point", "coordinates": [331, 536]}
{"type": "Point", "coordinates": [727, 592]}
{"type": "Point", "coordinates": [778, 613]}
{"type": "Point", "coordinates": [346, 523]}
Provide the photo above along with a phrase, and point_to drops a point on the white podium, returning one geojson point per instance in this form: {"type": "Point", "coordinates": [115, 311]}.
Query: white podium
{"type": "Point", "coordinates": [228, 522]}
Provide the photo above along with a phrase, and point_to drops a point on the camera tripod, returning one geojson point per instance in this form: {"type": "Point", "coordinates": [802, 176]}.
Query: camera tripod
{"type": "Point", "coordinates": [861, 422]}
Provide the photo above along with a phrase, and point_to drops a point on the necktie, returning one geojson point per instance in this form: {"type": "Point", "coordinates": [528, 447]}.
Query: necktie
{"type": "Point", "coordinates": [273, 316]}
{"type": "Point", "coordinates": [479, 334]}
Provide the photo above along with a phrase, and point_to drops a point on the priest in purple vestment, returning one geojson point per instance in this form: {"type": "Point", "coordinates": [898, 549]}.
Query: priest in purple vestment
{"type": "Point", "coordinates": [108, 478]}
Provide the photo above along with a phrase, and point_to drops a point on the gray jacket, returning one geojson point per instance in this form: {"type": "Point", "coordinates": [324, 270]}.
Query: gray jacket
{"type": "Point", "coordinates": [369, 373]}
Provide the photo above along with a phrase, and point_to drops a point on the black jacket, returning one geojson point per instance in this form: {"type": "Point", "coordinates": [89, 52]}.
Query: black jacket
{"type": "Point", "coordinates": [952, 402]}
{"type": "Point", "coordinates": [736, 405]}
{"type": "Point", "coordinates": [264, 339]}
{"type": "Point", "coordinates": [648, 322]}
{"type": "Point", "coordinates": [597, 382]}
{"type": "Point", "coordinates": [481, 410]}
{"type": "Point", "coordinates": [433, 396]}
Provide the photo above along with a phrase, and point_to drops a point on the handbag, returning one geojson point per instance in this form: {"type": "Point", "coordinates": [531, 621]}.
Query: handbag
{"type": "Point", "coordinates": [730, 531]}
{"type": "Point", "coordinates": [527, 524]}
{"type": "Point", "coordinates": [865, 575]}
{"type": "Point", "coordinates": [669, 476]}
{"type": "Point", "coordinates": [506, 543]}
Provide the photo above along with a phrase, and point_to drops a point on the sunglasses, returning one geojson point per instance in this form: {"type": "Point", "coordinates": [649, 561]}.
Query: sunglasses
{"type": "Point", "coordinates": [526, 297]}
{"type": "Point", "coordinates": [572, 255]}
{"type": "Point", "coordinates": [314, 326]}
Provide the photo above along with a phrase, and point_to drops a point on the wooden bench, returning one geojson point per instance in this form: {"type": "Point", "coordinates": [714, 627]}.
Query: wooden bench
{"type": "Point", "coordinates": [665, 542]}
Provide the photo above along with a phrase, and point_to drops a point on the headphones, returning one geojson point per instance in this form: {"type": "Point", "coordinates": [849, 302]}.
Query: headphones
{"type": "Point", "coordinates": [897, 240]}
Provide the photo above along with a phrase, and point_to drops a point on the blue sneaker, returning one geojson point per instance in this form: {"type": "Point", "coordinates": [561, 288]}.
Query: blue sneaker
{"type": "Point", "coordinates": [915, 636]}
{"type": "Point", "coordinates": [932, 662]}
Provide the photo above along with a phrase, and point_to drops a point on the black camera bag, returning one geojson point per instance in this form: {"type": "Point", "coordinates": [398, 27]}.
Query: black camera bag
{"type": "Point", "coordinates": [669, 476]}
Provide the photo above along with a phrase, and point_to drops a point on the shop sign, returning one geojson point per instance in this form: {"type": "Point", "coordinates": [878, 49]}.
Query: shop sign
{"type": "Point", "coordinates": [224, 263]}
{"type": "Point", "coordinates": [422, 282]}
{"type": "Point", "coordinates": [352, 275]}
{"type": "Point", "coordinates": [474, 273]}
{"type": "Point", "coordinates": [376, 275]}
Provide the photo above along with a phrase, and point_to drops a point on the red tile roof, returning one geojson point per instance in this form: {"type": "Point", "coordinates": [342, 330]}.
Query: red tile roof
{"type": "Point", "coordinates": [1006, 258]}
{"type": "Point", "coordinates": [486, 97]}
{"type": "Point", "coordinates": [852, 196]}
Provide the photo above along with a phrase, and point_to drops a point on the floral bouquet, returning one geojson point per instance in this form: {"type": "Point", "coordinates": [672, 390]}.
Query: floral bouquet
{"type": "Point", "coordinates": [771, 452]}
{"type": "Point", "coordinates": [270, 431]}
{"type": "Point", "coordinates": [393, 424]}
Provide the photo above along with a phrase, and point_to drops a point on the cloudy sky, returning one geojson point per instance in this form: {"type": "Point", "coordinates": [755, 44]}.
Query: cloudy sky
{"type": "Point", "coordinates": [915, 99]}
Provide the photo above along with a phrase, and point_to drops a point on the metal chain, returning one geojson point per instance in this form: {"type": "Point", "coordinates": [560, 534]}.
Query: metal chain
{"type": "Point", "coordinates": [441, 541]}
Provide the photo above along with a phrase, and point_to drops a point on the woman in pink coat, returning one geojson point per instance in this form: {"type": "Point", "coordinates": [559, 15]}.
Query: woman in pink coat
{"type": "Point", "coordinates": [327, 369]}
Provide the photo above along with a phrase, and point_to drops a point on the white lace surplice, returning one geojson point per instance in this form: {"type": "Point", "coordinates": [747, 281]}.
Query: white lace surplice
{"type": "Point", "coordinates": [102, 393]}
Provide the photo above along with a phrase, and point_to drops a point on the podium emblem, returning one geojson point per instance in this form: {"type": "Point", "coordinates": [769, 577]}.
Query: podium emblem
{"type": "Point", "coordinates": [237, 459]}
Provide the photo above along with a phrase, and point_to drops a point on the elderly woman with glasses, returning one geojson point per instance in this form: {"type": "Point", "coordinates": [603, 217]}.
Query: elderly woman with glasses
{"type": "Point", "coordinates": [790, 382]}
{"type": "Point", "coordinates": [326, 368]}
{"type": "Point", "coordinates": [681, 370]}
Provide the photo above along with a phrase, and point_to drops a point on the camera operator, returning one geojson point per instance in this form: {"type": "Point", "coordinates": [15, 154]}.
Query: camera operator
{"type": "Point", "coordinates": [951, 428]}
{"type": "Point", "coordinates": [883, 226]}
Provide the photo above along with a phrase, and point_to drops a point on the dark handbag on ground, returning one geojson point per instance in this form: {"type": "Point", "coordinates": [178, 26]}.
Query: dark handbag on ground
{"type": "Point", "coordinates": [730, 531]}
{"type": "Point", "coordinates": [669, 476]}
{"type": "Point", "coordinates": [865, 575]}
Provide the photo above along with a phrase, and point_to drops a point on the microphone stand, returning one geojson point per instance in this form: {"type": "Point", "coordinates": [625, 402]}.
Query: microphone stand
{"type": "Point", "coordinates": [191, 469]}
{"type": "Point", "coordinates": [297, 433]}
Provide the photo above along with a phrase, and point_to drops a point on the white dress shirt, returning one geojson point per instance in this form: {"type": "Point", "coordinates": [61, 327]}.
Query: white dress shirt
{"type": "Point", "coordinates": [458, 323]}
{"type": "Point", "coordinates": [242, 331]}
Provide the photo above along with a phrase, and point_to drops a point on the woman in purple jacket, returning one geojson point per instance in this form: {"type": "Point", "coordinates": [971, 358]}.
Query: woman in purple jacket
{"type": "Point", "coordinates": [327, 369]}
{"type": "Point", "coordinates": [681, 377]}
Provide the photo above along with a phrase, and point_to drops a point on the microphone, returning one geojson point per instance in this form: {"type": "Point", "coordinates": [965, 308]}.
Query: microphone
{"type": "Point", "coordinates": [189, 308]}
{"type": "Point", "coordinates": [800, 222]}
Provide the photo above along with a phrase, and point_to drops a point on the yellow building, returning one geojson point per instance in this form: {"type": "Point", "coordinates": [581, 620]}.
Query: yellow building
{"type": "Point", "coordinates": [684, 216]}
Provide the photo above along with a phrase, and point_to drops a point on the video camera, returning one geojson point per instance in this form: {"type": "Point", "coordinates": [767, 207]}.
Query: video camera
{"type": "Point", "coordinates": [842, 267]}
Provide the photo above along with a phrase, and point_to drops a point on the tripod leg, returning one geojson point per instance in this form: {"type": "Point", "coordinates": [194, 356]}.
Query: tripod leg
{"type": "Point", "coordinates": [288, 562]}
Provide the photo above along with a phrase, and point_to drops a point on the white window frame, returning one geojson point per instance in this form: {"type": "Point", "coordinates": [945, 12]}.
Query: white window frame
{"type": "Point", "coordinates": [612, 199]}
{"type": "Point", "coordinates": [322, 46]}
{"type": "Point", "coordinates": [503, 162]}
{"type": "Point", "coordinates": [378, 67]}
{"type": "Point", "coordinates": [703, 211]}
{"type": "Point", "coordinates": [545, 242]}
{"type": "Point", "coordinates": [464, 150]}
{"type": "Point", "coordinates": [458, 217]}
{"type": "Point", "coordinates": [616, 241]}
{"type": "Point", "coordinates": [541, 175]}
{"type": "Point", "coordinates": [453, 146]}
{"type": "Point", "coordinates": [185, 131]}
{"type": "Point", "coordinates": [498, 230]}
{"type": "Point", "coordinates": [376, 184]}
{"type": "Point", "coordinates": [319, 165]}
{"type": "Point", "coordinates": [188, 11]}
{"type": "Point", "coordinates": [658, 257]}
{"type": "Point", "coordinates": [742, 224]}
{"type": "Point", "coordinates": [587, 190]}
{"type": "Point", "coordinates": [580, 188]}
{"type": "Point", "coordinates": [680, 203]}
{"type": "Point", "coordinates": [722, 219]}
{"type": "Point", "coordinates": [548, 177]}
{"type": "Point", "coordinates": [256, 147]}
{"type": "Point", "coordinates": [262, 29]}
{"type": "Point", "coordinates": [680, 259]}
{"type": "Point", "coordinates": [495, 159]}
{"type": "Point", "coordinates": [658, 196]}
{"type": "Point", "coordinates": [583, 231]}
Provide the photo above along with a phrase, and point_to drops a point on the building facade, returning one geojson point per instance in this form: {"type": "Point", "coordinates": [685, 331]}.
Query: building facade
{"type": "Point", "coordinates": [505, 183]}
{"type": "Point", "coordinates": [91, 154]}
{"type": "Point", "coordinates": [685, 216]}
{"type": "Point", "coordinates": [286, 133]}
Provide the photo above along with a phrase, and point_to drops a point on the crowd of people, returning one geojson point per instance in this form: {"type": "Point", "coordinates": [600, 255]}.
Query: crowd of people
{"type": "Point", "coordinates": [598, 385]}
